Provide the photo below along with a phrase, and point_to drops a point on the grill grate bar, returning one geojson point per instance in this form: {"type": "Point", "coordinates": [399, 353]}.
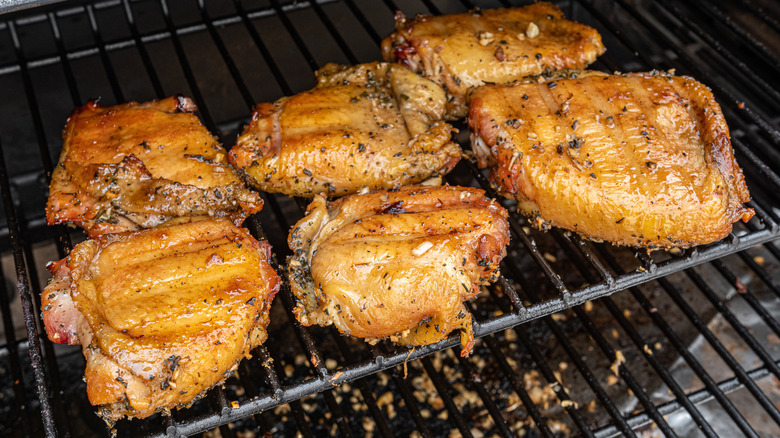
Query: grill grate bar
{"type": "Point", "coordinates": [575, 357]}
{"type": "Point", "coordinates": [698, 397]}
{"type": "Point", "coordinates": [760, 48]}
{"type": "Point", "coordinates": [20, 403]}
{"type": "Point", "coordinates": [760, 13]}
{"type": "Point", "coordinates": [746, 295]}
{"type": "Point", "coordinates": [187, 69]}
{"type": "Point", "coordinates": [363, 21]}
{"type": "Point", "coordinates": [454, 412]}
{"type": "Point", "coordinates": [295, 35]}
{"type": "Point", "coordinates": [716, 83]}
{"type": "Point", "coordinates": [106, 61]}
{"type": "Point", "coordinates": [25, 295]}
{"type": "Point", "coordinates": [475, 380]}
{"type": "Point", "coordinates": [141, 47]}
{"type": "Point", "coordinates": [740, 329]}
{"type": "Point", "coordinates": [546, 372]}
{"type": "Point", "coordinates": [263, 49]}
{"type": "Point", "coordinates": [692, 362]}
{"type": "Point", "coordinates": [334, 33]}
{"type": "Point", "coordinates": [70, 78]}
{"type": "Point", "coordinates": [410, 402]}
{"type": "Point", "coordinates": [365, 391]}
{"type": "Point", "coordinates": [715, 343]}
{"type": "Point", "coordinates": [654, 362]}
{"type": "Point", "coordinates": [528, 241]}
{"type": "Point", "coordinates": [541, 365]}
{"type": "Point", "coordinates": [734, 61]}
{"type": "Point", "coordinates": [223, 51]}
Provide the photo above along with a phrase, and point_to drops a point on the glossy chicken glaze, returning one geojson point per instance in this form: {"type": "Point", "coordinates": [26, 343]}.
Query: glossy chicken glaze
{"type": "Point", "coordinates": [463, 51]}
{"type": "Point", "coordinates": [368, 126]}
{"type": "Point", "coordinates": [397, 264]}
{"type": "Point", "coordinates": [637, 159]}
{"type": "Point", "coordinates": [162, 314]}
{"type": "Point", "coordinates": [136, 165]}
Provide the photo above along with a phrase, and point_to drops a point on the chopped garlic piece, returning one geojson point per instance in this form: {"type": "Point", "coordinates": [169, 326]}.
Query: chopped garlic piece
{"type": "Point", "coordinates": [532, 31]}
{"type": "Point", "coordinates": [421, 249]}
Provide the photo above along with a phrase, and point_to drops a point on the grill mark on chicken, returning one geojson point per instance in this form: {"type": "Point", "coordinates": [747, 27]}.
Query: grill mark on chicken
{"type": "Point", "coordinates": [401, 275]}
{"type": "Point", "coordinates": [162, 314]}
{"type": "Point", "coordinates": [136, 165]}
{"type": "Point", "coordinates": [369, 126]}
{"type": "Point", "coordinates": [672, 181]}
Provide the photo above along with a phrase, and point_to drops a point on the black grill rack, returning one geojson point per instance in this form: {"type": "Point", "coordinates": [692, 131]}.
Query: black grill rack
{"type": "Point", "coordinates": [230, 55]}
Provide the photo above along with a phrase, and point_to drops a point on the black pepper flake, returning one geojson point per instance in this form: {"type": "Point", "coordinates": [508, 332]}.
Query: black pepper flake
{"type": "Point", "coordinates": [551, 85]}
{"type": "Point", "coordinates": [307, 172]}
{"type": "Point", "coordinates": [404, 97]}
{"type": "Point", "coordinates": [620, 220]}
{"type": "Point", "coordinates": [538, 56]}
{"type": "Point", "coordinates": [525, 97]}
{"type": "Point", "coordinates": [574, 125]}
{"type": "Point", "coordinates": [651, 165]}
{"type": "Point", "coordinates": [560, 149]}
{"type": "Point", "coordinates": [593, 175]}
{"type": "Point", "coordinates": [361, 147]}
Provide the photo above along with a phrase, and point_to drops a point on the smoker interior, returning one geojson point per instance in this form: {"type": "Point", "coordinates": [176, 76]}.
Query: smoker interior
{"type": "Point", "coordinates": [689, 347]}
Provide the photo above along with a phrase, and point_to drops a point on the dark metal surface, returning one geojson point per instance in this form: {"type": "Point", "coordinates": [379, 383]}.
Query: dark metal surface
{"type": "Point", "coordinates": [230, 55]}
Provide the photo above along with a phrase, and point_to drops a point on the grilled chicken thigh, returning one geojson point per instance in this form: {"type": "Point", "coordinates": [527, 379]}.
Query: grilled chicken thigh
{"type": "Point", "coordinates": [162, 314]}
{"type": "Point", "coordinates": [397, 264]}
{"type": "Point", "coordinates": [135, 166]}
{"type": "Point", "coordinates": [369, 126]}
{"type": "Point", "coordinates": [637, 159]}
{"type": "Point", "coordinates": [462, 51]}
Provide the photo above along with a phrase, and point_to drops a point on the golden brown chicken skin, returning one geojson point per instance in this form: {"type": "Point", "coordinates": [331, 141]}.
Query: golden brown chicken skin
{"type": "Point", "coordinates": [368, 126]}
{"type": "Point", "coordinates": [638, 159]}
{"type": "Point", "coordinates": [462, 51]}
{"type": "Point", "coordinates": [397, 264]}
{"type": "Point", "coordinates": [137, 165]}
{"type": "Point", "coordinates": [162, 314]}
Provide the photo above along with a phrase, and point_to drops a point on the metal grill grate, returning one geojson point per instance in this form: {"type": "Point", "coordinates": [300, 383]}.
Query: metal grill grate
{"type": "Point", "coordinates": [710, 310]}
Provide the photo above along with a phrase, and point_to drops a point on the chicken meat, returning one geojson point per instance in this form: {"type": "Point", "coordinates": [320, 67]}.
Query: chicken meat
{"type": "Point", "coordinates": [463, 51]}
{"type": "Point", "coordinates": [397, 264]}
{"type": "Point", "coordinates": [136, 165]}
{"type": "Point", "coordinates": [162, 314]}
{"type": "Point", "coordinates": [369, 126]}
{"type": "Point", "coordinates": [641, 159]}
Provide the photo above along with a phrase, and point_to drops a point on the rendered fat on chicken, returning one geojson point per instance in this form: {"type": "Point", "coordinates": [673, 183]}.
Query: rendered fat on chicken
{"type": "Point", "coordinates": [162, 314]}
{"type": "Point", "coordinates": [638, 159]}
{"type": "Point", "coordinates": [368, 126]}
{"type": "Point", "coordinates": [397, 264]}
{"type": "Point", "coordinates": [463, 51]}
{"type": "Point", "coordinates": [137, 165]}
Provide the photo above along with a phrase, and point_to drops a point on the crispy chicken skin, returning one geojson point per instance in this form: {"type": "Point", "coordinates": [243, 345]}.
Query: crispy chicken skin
{"type": "Point", "coordinates": [162, 314]}
{"type": "Point", "coordinates": [397, 264]}
{"type": "Point", "coordinates": [368, 126]}
{"type": "Point", "coordinates": [462, 51]}
{"type": "Point", "coordinates": [639, 159]}
{"type": "Point", "coordinates": [137, 165]}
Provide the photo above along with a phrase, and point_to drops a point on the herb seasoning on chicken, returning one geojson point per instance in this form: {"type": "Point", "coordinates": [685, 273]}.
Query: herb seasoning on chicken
{"type": "Point", "coordinates": [369, 126]}
{"type": "Point", "coordinates": [162, 314]}
{"type": "Point", "coordinates": [640, 159]}
{"type": "Point", "coordinates": [463, 51]}
{"type": "Point", "coordinates": [397, 264]}
{"type": "Point", "coordinates": [135, 166]}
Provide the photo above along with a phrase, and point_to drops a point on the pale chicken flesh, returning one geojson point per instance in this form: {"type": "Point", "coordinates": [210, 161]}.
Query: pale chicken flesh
{"type": "Point", "coordinates": [397, 264]}
{"type": "Point", "coordinates": [363, 127]}
{"type": "Point", "coordinates": [639, 159]}
{"type": "Point", "coordinates": [463, 51]}
{"type": "Point", "coordinates": [162, 314]}
{"type": "Point", "coordinates": [137, 165]}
